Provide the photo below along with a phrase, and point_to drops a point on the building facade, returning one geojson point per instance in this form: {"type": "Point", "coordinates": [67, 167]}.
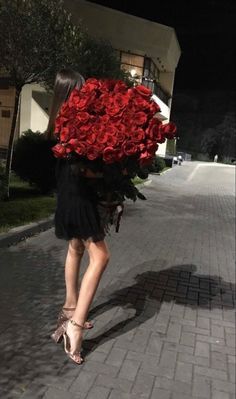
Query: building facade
{"type": "Point", "coordinates": [148, 50]}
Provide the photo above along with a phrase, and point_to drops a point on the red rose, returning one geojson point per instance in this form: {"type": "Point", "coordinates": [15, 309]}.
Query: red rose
{"type": "Point", "coordinates": [109, 155]}
{"type": "Point", "coordinates": [154, 131]}
{"type": "Point", "coordinates": [145, 158]}
{"type": "Point", "coordinates": [111, 140]}
{"type": "Point", "coordinates": [59, 151]}
{"type": "Point", "coordinates": [104, 119]}
{"type": "Point", "coordinates": [154, 108]}
{"type": "Point", "coordinates": [90, 138]}
{"type": "Point", "coordinates": [139, 103]}
{"type": "Point", "coordinates": [120, 87]}
{"type": "Point", "coordinates": [120, 136]}
{"type": "Point", "coordinates": [90, 85]}
{"type": "Point", "coordinates": [84, 129]}
{"type": "Point", "coordinates": [82, 117]}
{"type": "Point", "coordinates": [101, 138]}
{"type": "Point", "coordinates": [121, 100]}
{"type": "Point", "coordinates": [140, 118]}
{"type": "Point", "coordinates": [137, 135]}
{"type": "Point", "coordinates": [92, 152]}
{"type": "Point", "coordinates": [65, 134]}
{"type": "Point", "coordinates": [142, 90]}
{"type": "Point", "coordinates": [129, 148]}
{"type": "Point", "coordinates": [80, 149]}
{"type": "Point", "coordinates": [108, 85]}
{"type": "Point", "coordinates": [169, 130]}
{"type": "Point", "coordinates": [59, 123]}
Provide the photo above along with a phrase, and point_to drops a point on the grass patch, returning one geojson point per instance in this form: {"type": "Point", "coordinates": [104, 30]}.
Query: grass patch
{"type": "Point", "coordinates": [136, 180]}
{"type": "Point", "coordinates": [26, 205]}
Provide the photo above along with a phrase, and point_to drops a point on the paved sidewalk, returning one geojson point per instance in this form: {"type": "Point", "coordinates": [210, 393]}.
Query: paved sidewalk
{"type": "Point", "coordinates": [163, 312]}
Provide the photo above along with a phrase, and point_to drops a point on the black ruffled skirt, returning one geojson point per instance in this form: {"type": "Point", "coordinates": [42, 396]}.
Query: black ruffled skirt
{"type": "Point", "coordinates": [77, 211]}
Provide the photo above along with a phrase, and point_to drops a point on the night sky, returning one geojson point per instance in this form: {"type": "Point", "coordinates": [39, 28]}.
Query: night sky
{"type": "Point", "coordinates": [206, 33]}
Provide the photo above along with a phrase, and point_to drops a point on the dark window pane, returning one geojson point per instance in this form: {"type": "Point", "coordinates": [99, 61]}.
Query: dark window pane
{"type": "Point", "coordinates": [6, 113]}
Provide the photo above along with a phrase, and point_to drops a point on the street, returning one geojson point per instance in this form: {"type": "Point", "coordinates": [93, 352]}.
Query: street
{"type": "Point", "coordinates": [163, 313]}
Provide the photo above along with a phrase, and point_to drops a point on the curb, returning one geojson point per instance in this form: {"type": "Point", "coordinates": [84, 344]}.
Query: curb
{"type": "Point", "coordinates": [17, 234]}
{"type": "Point", "coordinates": [146, 183]}
{"type": "Point", "coordinates": [20, 233]}
{"type": "Point", "coordinates": [162, 173]}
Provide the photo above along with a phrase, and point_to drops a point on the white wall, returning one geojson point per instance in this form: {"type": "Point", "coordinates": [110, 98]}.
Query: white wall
{"type": "Point", "coordinates": [32, 115]}
{"type": "Point", "coordinates": [39, 118]}
{"type": "Point", "coordinates": [25, 109]}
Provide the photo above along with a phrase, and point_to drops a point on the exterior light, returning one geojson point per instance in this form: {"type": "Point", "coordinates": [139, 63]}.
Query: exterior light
{"type": "Point", "coordinates": [133, 72]}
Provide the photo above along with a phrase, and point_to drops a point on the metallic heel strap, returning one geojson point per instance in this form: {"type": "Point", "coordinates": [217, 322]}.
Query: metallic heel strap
{"type": "Point", "coordinates": [76, 324]}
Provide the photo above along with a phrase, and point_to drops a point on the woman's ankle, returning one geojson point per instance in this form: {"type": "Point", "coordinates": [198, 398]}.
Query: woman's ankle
{"type": "Point", "coordinates": [70, 304]}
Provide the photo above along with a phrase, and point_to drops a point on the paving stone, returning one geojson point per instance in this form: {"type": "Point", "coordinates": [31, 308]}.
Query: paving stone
{"type": "Point", "coordinates": [218, 361]}
{"type": "Point", "coordinates": [173, 385]}
{"type": "Point", "coordinates": [211, 373]}
{"type": "Point", "coordinates": [232, 372]}
{"type": "Point", "coordinates": [199, 360]}
{"type": "Point", "coordinates": [187, 339]}
{"type": "Point", "coordinates": [202, 349]}
{"type": "Point", "coordinates": [143, 384]}
{"type": "Point", "coordinates": [116, 357]}
{"type": "Point", "coordinates": [117, 394]}
{"type": "Point", "coordinates": [98, 393]}
{"type": "Point", "coordinates": [33, 392]}
{"type": "Point", "coordinates": [183, 372]}
{"type": "Point", "coordinates": [129, 369]}
{"type": "Point", "coordinates": [178, 348]}
{"type": "Point", "coordinates": [121, 384]}
{"type": "Point", "coordinates": [54, 393]}
{"type": "Point", "coordinates": [93, 366]}
{"type": "Point", "coordinates": [223, 386]}
{"type": "Point", "coordinates": [217, 331]}
{"type": "Point", "coordinates": [201, 387]}
{"type": "Point", "coordinates": [83, 382]}
{"type": "Point", "coordinates": [220, 395]}
{"type": "Point", "coordinates": [160, 394]}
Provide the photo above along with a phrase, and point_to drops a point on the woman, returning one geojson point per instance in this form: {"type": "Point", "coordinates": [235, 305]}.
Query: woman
{"type": "Point", "coordinates": [76, 220]}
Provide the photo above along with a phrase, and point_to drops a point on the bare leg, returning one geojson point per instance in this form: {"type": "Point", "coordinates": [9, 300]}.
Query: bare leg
{"type": "Point", "coordinates": [72, 265]}
{"type": "Point", "coordinates": [98, 260]}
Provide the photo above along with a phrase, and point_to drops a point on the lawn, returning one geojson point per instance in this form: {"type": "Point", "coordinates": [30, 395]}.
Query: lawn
{"type": "Point", "coordinates": [26, 205]}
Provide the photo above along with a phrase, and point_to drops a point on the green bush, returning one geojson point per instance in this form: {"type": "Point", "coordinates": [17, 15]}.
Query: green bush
{"type": "Point", "coordinates": [157, 165]}
{"type": "Point", "coordinates": [33, 161]}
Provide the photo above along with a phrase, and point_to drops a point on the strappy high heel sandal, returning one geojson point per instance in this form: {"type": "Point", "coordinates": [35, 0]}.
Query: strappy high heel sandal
{"type": "Point", "coordinates": [76, 356]}
{"type": "Point", "coordinates": [62, 317]}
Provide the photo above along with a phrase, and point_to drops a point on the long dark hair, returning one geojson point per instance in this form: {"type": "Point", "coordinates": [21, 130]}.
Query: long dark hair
{"type": "Point", "coordinates": [66, 80]}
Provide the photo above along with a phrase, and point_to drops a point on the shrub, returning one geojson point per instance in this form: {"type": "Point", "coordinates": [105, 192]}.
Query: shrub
{"type": "Point", "coordinates": [33, 161]}
{"type": "Point", "coordinates": [157, 165]}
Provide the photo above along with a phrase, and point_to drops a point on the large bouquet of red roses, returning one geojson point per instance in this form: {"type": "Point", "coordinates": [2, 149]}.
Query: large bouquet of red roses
{"type": "Point", "coordinates": [109, 127]}
{"type": "Point", "coordinates": [109, 121]}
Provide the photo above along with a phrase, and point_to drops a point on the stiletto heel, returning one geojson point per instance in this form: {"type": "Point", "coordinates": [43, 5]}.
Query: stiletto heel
{"type": "Point", "coordinates": [76, 356]}
{"type": "Point", "coordinates": [62, 318]}
{"type": "Point", "coordinates": [57, 335]}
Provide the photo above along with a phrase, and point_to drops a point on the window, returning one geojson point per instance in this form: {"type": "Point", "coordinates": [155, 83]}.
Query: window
{"type": "Point", "coordinates": [139, 66]}
{"type": "Point", "coordinates": [6, 113]}
{"type": "Point", "coordinates": [150, 69]}
{"type": "Point", "coordinates": [132, 63]}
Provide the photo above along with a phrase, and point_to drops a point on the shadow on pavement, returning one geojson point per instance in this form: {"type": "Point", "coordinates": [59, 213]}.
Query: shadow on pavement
{"type": "Point", "coordinates": [29, 356]}
{"type": "Point", "coordinates": [178, 284]}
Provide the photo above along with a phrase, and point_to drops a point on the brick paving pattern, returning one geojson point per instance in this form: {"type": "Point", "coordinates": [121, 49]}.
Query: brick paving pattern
{"type": "Point", "coordinates": [163, 314]}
